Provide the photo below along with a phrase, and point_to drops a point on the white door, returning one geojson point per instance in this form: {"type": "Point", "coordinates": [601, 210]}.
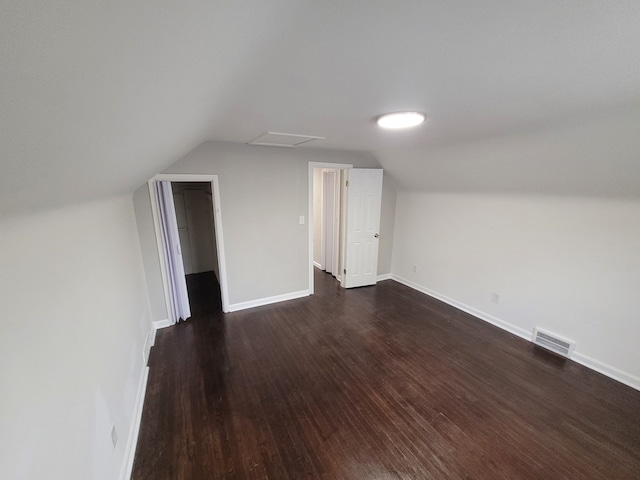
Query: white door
{"type": "Point", "coordinates": [177, 284]}
{"type": "Point", "coordinates": [364, 193]}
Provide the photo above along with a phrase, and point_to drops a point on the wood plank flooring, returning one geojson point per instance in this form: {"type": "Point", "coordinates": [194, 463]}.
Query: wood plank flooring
{"type": "Point", "coordinates": [204, 293]}
{"type": "Point", "coordinates": [375, 383]}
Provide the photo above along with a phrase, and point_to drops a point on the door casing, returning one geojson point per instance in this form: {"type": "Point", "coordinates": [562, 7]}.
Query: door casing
{"type": "Point", "coordinates": [311, 166]}
{"type": "Point", "coordinates": [217, 217]}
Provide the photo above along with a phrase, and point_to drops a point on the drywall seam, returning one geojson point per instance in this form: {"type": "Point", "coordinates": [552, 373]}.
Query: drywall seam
{"type": "Point", "coordinates": [596, 365]}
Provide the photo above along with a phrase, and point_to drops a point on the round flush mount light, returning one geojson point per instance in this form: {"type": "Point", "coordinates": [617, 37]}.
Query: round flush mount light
{"type": "Point", "coordinates": [400, 119]}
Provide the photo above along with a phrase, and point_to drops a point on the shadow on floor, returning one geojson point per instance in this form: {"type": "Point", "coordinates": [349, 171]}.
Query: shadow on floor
{"type": "Point", "coordinates": [204, 293]}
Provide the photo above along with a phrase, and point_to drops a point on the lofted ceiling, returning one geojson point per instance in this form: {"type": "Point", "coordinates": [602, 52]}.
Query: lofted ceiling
{"type": "Point", "coordinates": [96, 96]}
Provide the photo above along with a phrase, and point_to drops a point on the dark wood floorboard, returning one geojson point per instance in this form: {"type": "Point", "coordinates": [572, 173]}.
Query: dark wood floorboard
{"type": "Point", "coordinates": [204, 293]}
{"type": "Point", "coordinates": [375, 383]}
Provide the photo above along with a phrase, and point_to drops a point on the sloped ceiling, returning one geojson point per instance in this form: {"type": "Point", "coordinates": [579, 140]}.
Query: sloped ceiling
{"type": "Point", "coordinates": [96, 96]}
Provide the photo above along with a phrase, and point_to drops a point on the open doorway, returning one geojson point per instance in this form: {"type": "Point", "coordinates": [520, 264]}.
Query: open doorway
{"type": "Point", "coordinates": [193, 204]}
{"type": "Point", "coordinates": [195, 244]}
{"type": "Point", "coordinates": [326, 218]}
{"type": "Point", "coordinates": [344, 222]}
{"type": "Point", "coordinates": [327, 209]}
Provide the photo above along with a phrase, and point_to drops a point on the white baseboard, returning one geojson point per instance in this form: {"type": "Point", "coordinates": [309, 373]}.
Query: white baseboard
{"type": "Point", "coordinates": [386, 276]}
{"type": "Point", "coordinates": [600, 367]}
{"type": "Point", "coordinates": [132, 441]}
{"type": "Point", "coordinates": [607, 370]}
{"type": "Point", "coordinates": [152, 334]}
{"type": "Point", "coordinates": [147, 345]}
{"type": "Point", "coordinates": [520, 332]}
{"type": "Point", "coordinates": [268, 300]}
{"type": "Point", "coordinates": [158, 324]}
{"type": "Point", "coordinates": [317, 265]}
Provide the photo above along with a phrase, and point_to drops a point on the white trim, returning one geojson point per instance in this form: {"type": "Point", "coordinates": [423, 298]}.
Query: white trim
{"type": "Point", "coordinates": [154, 330]}
{"type": "Point", "coordinates": [596, 365]}
{"type": "Point", "coordinates": [155, 212]}
{"type": "Point", "coordinates": [386, 276]}
{"type": "Point", "coordinates": [217, 218]}
{"type": "Point", "coordinates": [222, 259]}
{"type": "Point", "coordinates": [344, 178]}
{"type": "Point", "coordinates": [321, 220]}
{"type": "Point", "coordinates": [607, 370]}
{"type": "Point", "coordinates": [182, 177]}
{"type": "Point", "coordinates": [311, 166]}
{"type": "Point", "coordinates": [132, 441]}
{"type": "Point", "coordinates": [317, 265]}
{"type": "Point", "coordinates": [267, 300]}
{"type": "Point", "coordinates": [158, 324]}
{"type": "Point", "coordinates": [146, 350]}
{"type": "Point", "coordinates": [520, 332]}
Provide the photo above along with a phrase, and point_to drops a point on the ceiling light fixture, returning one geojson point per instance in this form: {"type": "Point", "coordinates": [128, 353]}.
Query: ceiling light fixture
{"type": "Point", "coordinates": [400, 119]}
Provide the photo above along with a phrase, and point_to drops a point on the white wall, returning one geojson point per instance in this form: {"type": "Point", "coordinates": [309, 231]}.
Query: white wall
{"type": "Point", "coordinates": [387, 226]}
{"type": "Point", "coordinates": [264, 190]}
{"type": "Point", "coordinates": [75, 317]}
{"type": "Point", "coordinates": [595, 155]}
{"type": "Point", "coordinates": [150, 255]}
{"type": "Point", "coordinates": [567, 264]}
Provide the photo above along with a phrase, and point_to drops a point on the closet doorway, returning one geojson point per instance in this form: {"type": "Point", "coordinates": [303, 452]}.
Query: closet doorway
{"type": "Point", "coordinates": [188, 223]}
{"type": "Point", "coordinates": [193, 203]}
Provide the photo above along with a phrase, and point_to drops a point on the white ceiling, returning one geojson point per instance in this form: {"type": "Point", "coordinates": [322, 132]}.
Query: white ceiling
{"type": "Point", "coordinates": [96, 96]}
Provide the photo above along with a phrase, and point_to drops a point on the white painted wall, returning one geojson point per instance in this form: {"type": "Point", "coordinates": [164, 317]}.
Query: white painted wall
{"type": "Point", "coordinates": [75, 317]}
{"type": "Point", "coordinates": [264, 190]}
{"type": "Point", "coordinates": [595, 155]}
{"type": "Point", "coordinates": [387, 226]}
{"type": "Point", "coordinates": [567, 264]}
{"type": "Point", "coordinates": [150, 256]}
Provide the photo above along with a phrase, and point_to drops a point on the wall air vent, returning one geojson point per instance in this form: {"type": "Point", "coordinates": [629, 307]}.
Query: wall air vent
{"type": "Point", "coordinates": [290, 140]}
{"type": "Point", "coordinates": [552, 342]}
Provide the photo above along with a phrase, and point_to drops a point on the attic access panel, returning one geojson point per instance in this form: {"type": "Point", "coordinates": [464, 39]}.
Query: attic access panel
{"type": "Point", "coordinates": [290, 140]}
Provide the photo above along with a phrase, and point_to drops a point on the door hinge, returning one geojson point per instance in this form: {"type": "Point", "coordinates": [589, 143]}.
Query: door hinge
{"type": "Point", "coordinates": [345, 271]}
{"type": "Point", "coordinates": [347, 183]}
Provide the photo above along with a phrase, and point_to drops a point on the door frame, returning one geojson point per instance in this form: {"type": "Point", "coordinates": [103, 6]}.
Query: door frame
{"type": "Point", "coordinates": [312, 165]}
{"type": "Point", "coordinates": [217, 219]}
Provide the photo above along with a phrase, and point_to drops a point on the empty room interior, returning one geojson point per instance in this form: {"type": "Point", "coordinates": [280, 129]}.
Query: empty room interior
{"type": "Point", "coordinates": [330, 240]}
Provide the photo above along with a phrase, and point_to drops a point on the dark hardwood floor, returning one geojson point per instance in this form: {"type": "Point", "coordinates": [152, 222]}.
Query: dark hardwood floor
{"type": "Point", "coordinates": [375, 383]}
{"type": "Point", "coordinates": [204, 293]}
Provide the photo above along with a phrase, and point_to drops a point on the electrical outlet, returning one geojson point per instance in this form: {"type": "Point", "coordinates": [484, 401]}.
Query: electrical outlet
{"type": "Point", "coordinates": [415, 268]}
{"type": "Point", "coordinates": [114, 436]}
{"type": "Point", "coordinates": [495, 297]}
